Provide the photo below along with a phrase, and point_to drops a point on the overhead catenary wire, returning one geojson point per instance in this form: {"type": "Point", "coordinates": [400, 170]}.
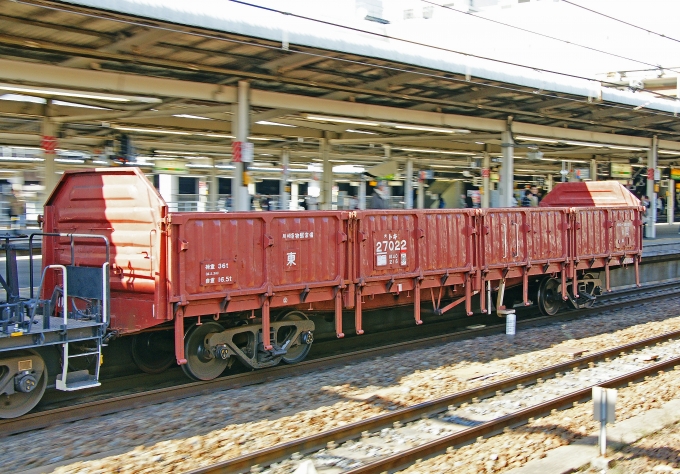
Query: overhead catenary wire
{"type": "Point", "coordinates": [543, 35]}
{"type": "Point", "coordinates": [291, 50]}
{"type": "Point", "coordinates": [622, 21]}
{"type": "Point", "coordinates": [440, 48]}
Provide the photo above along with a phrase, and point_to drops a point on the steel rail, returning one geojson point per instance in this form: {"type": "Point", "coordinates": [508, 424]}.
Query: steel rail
{"type": "Point", "coordinates": [493, 427]}
{"type": "Point", "coordinates": [44, 419]}
{"type": "Point", "coordinates": [318, 441]}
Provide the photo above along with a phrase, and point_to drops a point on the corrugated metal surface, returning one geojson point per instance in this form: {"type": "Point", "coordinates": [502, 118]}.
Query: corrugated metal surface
{"type": "Point", "coordinates": [590, 194]}
{"type": "Point", "coordinates": [605, 232]}
{"type": "Point", "coordinates": [122, 205]}
{"type": "Point", "coordinates": [255, 253]}
{"type": "Point", "coordinates": [547, 236]}
{"type": "Point", "coordinates": [446, 243]}
{"type": "Point", "coordinates": [504, 242]}
{"type": "Point", "coordinates": [386, 245]}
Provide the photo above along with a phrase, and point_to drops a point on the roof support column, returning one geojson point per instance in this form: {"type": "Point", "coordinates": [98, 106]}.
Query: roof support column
{"type": "Point", "coordinates": [593, 169]}
{"type": "Point", "coordinates": [327, 178]}
{"type": "Point", "coordinates": [421, 194]}
{"type": "Point", "coordinates": [670, 203]}
{"type": "Point", "coordinates": [651, 168]}
{"type": "Point", "coordinates": [49, 133]}
{"type": "Point", "coordinates": [240, 200]}
{"type": "Point", "coordinates": [507, 169]}
{"type": "Point", "coordinates": [294, 195]}
{"type": "Point", "coordinates": [408, 185]}
{"type": "Point", "coordinates": [283, 194]}
{"type": "Point", "coordinates": [486, 180]}
{"type": "Point", "coordinates": [213, 188]}
{"type": "Point", "coordinates": [361, 205]}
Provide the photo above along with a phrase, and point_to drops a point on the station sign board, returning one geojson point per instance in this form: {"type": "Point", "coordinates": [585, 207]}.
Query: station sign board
{"type": "Point", "coordinates": [675, 174]}
{"type": "Point", "coordinates": [169, 166]}
{"type": "Point", "coordinates": [621, 170]}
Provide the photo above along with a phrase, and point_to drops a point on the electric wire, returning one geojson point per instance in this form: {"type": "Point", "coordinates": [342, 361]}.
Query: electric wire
{"type": "Point", "coordinates": [543, 35]}
{"type": "Point", "coordinates": [622, 21]}
{"type": "Point", "coordinates": [440, 48]}
{"type": "Point", "coordinates": [368, 64]}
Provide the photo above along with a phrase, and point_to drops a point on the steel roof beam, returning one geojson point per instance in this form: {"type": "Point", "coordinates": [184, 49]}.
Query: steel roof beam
{"type": "Point", "coordinates": [120, 83]}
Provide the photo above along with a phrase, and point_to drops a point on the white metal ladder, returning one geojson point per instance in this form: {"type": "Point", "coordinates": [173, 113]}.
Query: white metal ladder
{"type": "Point", "coordinates": [80, 379]}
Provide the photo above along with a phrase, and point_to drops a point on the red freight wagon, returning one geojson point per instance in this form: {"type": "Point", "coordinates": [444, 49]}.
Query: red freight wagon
{"type": "Point", "coordinates": [222, 287]}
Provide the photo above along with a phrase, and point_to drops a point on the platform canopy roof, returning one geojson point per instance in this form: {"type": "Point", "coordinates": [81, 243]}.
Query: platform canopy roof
{"type": "Point", "coordinates": [172, 66]}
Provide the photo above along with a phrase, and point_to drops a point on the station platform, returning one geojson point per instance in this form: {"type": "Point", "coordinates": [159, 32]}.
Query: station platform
{"type": "Point", "coordinates": [667, 241]}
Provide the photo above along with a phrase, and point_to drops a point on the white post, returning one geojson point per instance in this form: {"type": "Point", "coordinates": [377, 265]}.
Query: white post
{"type": "Point", "coordinates": [507, 169]}
{"type": "Point", "coordinates": [362, 194]}
{"type": "Point", "coordinates": [421, 195]}
{"type": "Point", "coordinates": [651, 167]}
{"type": "Point", "coordinates": [327, 179]}
{"type": "Point", "coordinates": [486, 180]}
{"type": "Point", "coordinates": [603, 424]}
{"type": "Point", "coordinates": [408, 185]}
{"type": "Point", "coordinates": [670, 202]}
{"type": "Point", "coordinates": [593, 169]}
{"type": "Point", "coordinates": [283, 195]}
{"type": "Point", "coordinates": [239, 193]}
{"type": "Point", "coordinates": [49, 129]}
{"type": "Point", "coordinates": [294, 195]}
{"type": "Point", "coordinates": [549, 183]}
{"type": "Point", "coordinates": [213, 188]}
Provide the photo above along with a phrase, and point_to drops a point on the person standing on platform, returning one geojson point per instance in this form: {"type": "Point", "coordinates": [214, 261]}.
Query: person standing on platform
{"type": "Point", "coordinates": [17, 210]}
{"type": "Point", "coordinates": [534, 196]}
{"type": "Point", "coordinates": [442, 203]}
{"type": "Point", "coordinates": [379, 197]}
{"type": "Point", "coordinates": [526, 199]}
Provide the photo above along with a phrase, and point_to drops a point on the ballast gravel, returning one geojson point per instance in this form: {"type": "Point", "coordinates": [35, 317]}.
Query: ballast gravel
{"type": "Point", "coordinates": [183, 435]}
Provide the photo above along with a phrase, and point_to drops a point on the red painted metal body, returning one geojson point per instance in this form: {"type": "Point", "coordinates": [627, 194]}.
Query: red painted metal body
{"type": "Point", "coordinates": [172, 266]}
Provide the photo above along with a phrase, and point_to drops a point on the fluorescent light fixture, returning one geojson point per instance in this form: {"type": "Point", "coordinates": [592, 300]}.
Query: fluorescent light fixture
{"type": "Point", "coordinates": [265, 139]}
{"type": "Point", "coordinates": [100, 162]}
{"type": "Point", "coordinates": [276, 124]}
{"type": "Point", "coordinates": [593, 145]}
{"type": "Point", "coordinates": [191, 117]}
{"type": "Point", "coordinates": [17, 158]}
{"type": "Point", "coordinates": [23, 98]}
{"type": "Point", "coordinates": [325, 118]}
{"type": "Point", "coordinates": [225, 167]}
{"type": "Point", "coordinates": [668, 152]}
{"type": "Point", "coordinates": [215, 135]}
{"type": "Point", "coordinates": [175, 152]}
{"type": "Point", "coordinates": [631, 148]}
{"type": "Point", "coordinates": [348, 169]}
{"type": "Point", "coordinates": [536, 139]}
{"type": "Point", "coordinates": [423, 128]}
{"type": "Point", "coordinates": [68, 160]}
{"type": "Point", "coordinates": [449, 166]}
{"type": "Point", "coordinates": [82, 95]}
{"type": "Point", "coordinates": [360, 131]}
{"type": "Point", "coordinates": [151, 130]}
{"type": "Point", "coordinates": [443, 152]}
{"type": "Point", "coordinates": [192, 165]}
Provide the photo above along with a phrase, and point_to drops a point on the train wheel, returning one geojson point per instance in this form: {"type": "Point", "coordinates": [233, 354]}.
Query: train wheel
{"type": "Point", "coordinates": [549, 296]}
{"type": "Point", "coordinates": [28, 391]}
{"type": "Point", "coordinates": [201, 362]}
{"type": "Point", "coordinates": [300, 347]}
{"type": "Point", "coordinates": [153, 351]}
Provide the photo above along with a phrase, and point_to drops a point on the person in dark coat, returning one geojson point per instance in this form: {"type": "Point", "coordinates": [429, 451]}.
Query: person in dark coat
{"type": "Point", "coordinates": [379, 197]}
{"type": "Point", "coordinates": [468, 202]}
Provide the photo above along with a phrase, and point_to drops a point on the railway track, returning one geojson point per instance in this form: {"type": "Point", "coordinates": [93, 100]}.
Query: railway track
{"type": "Point", "coordinates": [372, 427]}
{"type": "Point", "coordinates": [115, 404]}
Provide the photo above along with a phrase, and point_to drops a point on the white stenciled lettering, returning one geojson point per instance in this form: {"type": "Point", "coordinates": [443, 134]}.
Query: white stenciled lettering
{"type": "Point", "coordinates": [290, 259]}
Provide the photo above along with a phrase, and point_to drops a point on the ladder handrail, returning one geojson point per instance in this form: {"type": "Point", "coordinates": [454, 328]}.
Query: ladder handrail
{"type": "Point", "coordinates": [70, 236]}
